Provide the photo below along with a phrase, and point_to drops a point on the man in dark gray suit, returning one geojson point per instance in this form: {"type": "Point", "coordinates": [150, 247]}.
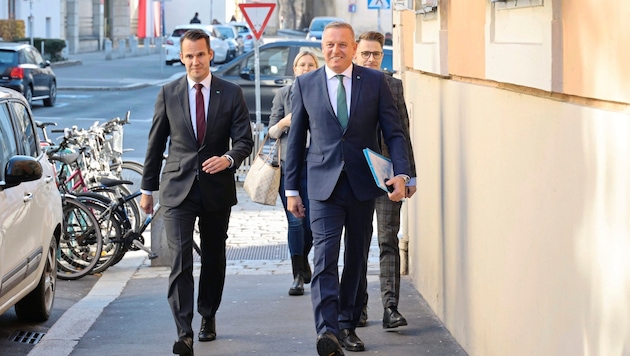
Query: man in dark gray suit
{"type": "Point", "coordinates": [370, 54]}
{"type": "Point", "coordinates": [198, 115]}
{"type": "Point", "coordinates": [343, 106]}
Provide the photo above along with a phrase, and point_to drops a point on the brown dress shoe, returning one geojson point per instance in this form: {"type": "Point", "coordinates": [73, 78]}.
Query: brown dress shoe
{"type": "Point", "coordinates": [208, 330]}
{"type": "Point", "coordinates": [350, 341]}
{"type": "Point", "coordinates": [392, 318]}
{"type": "Point", "coordinates": [328, 345]}
{"type": "Point", "coordinates": [184, 346]}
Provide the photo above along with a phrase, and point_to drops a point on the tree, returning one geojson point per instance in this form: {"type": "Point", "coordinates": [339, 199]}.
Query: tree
{"type": "Point", "coordinates": [298, 14]}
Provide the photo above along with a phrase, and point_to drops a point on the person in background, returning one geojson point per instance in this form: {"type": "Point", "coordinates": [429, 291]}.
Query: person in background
{"type": "Point", "coordinates": [195, 18]}
{"type": "Point", "coordinates": [342, 106]}
{"type": "Point", "coordinates": [205, 121]}
{"type": "Point", "coordinates": [370, 54]}
{"type": "Point", "coordinates": [299, 232]}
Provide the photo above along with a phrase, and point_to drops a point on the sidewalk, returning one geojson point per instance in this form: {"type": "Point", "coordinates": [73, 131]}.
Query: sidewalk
{"type": "Point", "coordinates": [127, 313]}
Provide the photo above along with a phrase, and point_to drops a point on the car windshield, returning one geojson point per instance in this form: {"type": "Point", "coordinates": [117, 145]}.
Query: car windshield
{"type": "Point", "coordinates": [319, 25]}
{"type": "Point", "coordinates": [226, 32]}
{"type": "Point", "coordinates": [179, 32]}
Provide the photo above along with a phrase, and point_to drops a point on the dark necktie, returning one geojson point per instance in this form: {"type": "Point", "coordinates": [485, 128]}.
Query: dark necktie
{"type": "Point", "coordinates": [342, 106]}
{"type": "Point", "coordinates": [201, 115]}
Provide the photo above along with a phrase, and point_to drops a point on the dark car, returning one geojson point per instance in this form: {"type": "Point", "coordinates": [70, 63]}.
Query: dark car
{"type": "Point", "coordinates": [276, 71]}
{"type": "Point", "coordinates": [24, 70]}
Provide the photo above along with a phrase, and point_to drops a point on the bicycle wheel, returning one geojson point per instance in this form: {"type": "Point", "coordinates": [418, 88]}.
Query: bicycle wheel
{"type": "Point", "coordinates": [112, 227]}
{"type": "Point", "coordinates": [132, 171]}
{"type": "Point", "coordinates": [131, 206]}
{"type": "Point", "coordinates": [81, 241]}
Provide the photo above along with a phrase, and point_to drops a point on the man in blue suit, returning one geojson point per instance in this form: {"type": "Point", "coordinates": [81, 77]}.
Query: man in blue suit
{"type": "Point", "coordinates": [342, 106]}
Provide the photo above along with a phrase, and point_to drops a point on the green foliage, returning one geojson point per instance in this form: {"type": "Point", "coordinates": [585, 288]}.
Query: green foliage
{"type": "Point", "coordinates": [52, 47]}
{"type": "Point", "coordinates": [10, 29]}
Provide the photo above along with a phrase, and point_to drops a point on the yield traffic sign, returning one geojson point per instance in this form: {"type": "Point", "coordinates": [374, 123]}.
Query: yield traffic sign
{"type": "Point", "coordinates": [257, 15]}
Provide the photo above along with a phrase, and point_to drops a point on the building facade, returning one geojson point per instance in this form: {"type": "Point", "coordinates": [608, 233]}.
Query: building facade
{"type": "Point", "coordinates": [519, 231]}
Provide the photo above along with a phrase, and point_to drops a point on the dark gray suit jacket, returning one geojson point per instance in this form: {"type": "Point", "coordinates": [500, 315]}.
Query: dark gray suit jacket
{"type": "Point", "coordinates": [333, 149]}
{"type": "Point", "coordinates": [395, 85]}
{"type": "Point", "coordinates": [227, 118]}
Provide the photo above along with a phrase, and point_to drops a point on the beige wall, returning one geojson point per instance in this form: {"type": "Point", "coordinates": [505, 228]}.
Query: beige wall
{"type": "Point", "coordinates": [466, 38]}
{"type": "Point", "coordinates": [519, 230]}
{"type": "Point", "coordinates": [597, 50]}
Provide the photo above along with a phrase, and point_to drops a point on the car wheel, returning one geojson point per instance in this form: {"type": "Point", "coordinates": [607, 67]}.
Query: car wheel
{"type": "Point", "coordinates": [52, 95]}
{"type": "Point", "coordinates": [38, 304]}
{"type": "Point", "coordinates": [28, 94]}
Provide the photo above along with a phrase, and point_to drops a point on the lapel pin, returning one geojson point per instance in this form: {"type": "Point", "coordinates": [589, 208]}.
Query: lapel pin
{"type": "Point", "coordinates": [358, 77]}
{"type": "Point", "coordinates": [218, 92]}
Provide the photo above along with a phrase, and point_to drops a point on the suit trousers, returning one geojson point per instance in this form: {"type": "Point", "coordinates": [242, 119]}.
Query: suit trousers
{"type": "Point", "coordinates": [337, 305]}
{"type": "Point", "coordinates": [388, 225]}
{"type": "Point", "coordinates": [179, 225]}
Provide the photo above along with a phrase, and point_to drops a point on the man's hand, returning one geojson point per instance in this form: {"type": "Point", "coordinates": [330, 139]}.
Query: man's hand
{"type": "Point", "coordinates": [400, 190]}
{"type": "Point", "coordinates": [295, 206]}
{"type": "Point", "coordinates": [146, 203]}
{"type": "Point", "coordinates": [215, 164]}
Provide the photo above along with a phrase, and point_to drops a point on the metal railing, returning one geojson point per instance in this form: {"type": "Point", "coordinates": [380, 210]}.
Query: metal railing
{"type": "Point", "coordinates": [258, 134]}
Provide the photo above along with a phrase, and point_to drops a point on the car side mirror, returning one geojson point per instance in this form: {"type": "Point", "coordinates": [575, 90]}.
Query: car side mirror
{"type": "Point", "coordinates": [47, 63]}
{"type": "Point", "coordinates": [21, 169]}
{"type": "Point", "coordinates": [246, 73]}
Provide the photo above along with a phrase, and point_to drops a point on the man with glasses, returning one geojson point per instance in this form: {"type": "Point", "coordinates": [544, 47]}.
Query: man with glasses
{"type": "Point", "coordinates": [370, 54]}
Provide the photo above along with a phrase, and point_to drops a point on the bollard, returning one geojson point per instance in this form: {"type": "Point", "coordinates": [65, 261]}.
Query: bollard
{"type": "Point", "coordinates": [108, 49]}
{"type": "Point", "coordinates": [147, 46]}
{"type": "Point", "coordinates": [122, 47]}
{"type": "Point", "coordinates": [133, 45]}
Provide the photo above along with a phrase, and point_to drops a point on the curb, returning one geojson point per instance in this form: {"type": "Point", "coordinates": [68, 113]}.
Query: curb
{"type": "Point", "coordinates": [67, 63]}
{"type": "Point", "coordinates": [122, 88]}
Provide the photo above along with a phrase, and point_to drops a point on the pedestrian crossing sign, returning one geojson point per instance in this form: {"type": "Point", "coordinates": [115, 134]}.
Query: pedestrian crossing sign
{"type": "Point", "coordinates": [379, 4]}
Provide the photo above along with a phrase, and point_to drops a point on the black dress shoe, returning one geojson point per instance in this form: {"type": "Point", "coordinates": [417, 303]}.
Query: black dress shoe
{"type": "Point", "coordinates": [297, 287]}
{"type": "Point", "coordinates": [208, 330]}
{"type": "Point", "coordinates": [350, 341]}
{"type": "Point", "coordinates": [184, 346]}
{"type": "Point", "coordinates": [328, 345]}
{"type": "Point", "coordinates": [363, 318]}
{"type": "Point", "coordinates": [392, 318]}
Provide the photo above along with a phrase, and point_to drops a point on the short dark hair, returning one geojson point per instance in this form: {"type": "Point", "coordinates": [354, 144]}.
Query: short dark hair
{"type": "Point", "coordinates": [372, 36]}
{"type": "Point", "coordinates": [195, 35]}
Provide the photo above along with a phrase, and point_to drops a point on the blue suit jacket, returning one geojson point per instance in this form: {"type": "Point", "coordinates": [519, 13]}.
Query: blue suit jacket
{"type": "Point", "coordinates": [332, 148]}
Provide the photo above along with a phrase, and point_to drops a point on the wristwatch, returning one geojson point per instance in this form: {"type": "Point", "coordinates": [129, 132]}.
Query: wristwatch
{"type": "Point", "coordinates": [405, 177]}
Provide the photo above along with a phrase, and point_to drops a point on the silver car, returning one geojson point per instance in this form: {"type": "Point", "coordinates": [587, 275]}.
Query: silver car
{"type": "Point", "coordinates": [219, 46]}
{"type": "Point", "coordinates": [231, 36]}
{"type": "Point", "coordinates": [30, 214]}
{"type": "Point", "coordinates": [247, 34]}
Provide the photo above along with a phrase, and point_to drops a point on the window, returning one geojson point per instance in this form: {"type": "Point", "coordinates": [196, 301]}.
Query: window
{"type": "Point", "coordinates": [511, 4]}
{"type": "Point", "coordinates": [28, 140]}
{"type": "Point", "coordinates": [273, 61]}
{"type": "Point", "coordinates": [8, 145]}
{"type": "Point", "coordinates": [318, 53]}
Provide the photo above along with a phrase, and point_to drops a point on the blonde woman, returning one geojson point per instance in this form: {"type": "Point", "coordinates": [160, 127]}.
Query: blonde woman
{"type": "Point", "coordinates": [299, 233]}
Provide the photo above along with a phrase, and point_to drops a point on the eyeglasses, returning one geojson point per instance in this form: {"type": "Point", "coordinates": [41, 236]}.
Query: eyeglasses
{"type": "Point", "coordinates": [367, 54]}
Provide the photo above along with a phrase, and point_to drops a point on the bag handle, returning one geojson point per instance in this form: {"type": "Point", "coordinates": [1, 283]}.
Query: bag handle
{"type": "Point", "coordinates": [273, 148]}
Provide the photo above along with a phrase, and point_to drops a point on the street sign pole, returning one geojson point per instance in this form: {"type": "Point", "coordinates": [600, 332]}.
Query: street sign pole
{"type": "Point", "coordinates": [257, 15]}
{"type": "Point", "coordinates": [257, 81]}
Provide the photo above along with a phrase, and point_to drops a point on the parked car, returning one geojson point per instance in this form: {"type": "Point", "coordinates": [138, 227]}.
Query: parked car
{"type": "Point", "coordinates": [318, 23]}
{"type": "Point", "coordinates": [388, 61]}
{"type": "Point", "coordinates": [219, 46]}
{"type": "Point", "coordinates": [24, 70]}
{"type": "Point", "coordinates": [231, 36]}
{"type": "Point", "coordinates": [30, 214]}
{"type": "Point", "coordinates": [276, 71]}
{"type": "Point", "coordinates": [248, 36]}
